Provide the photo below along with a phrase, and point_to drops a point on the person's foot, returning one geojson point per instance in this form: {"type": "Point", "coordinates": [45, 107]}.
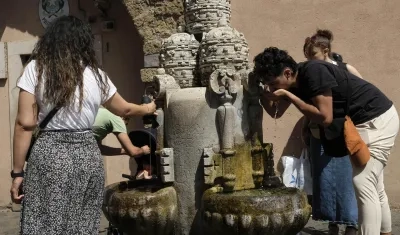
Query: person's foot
{"type": "Point", "coordinates": [350, 231]}
{"type": "Point", "coordinates": [140, 175]}
{"type": "Point", "coordinates": [143, 175]}
{"type": "Point", "coordinates": [147, 175]}
{"type": "Point", "coordinates": [333, 229]}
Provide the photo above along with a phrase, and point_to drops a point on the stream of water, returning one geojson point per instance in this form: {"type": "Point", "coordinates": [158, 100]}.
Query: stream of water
{"type": "Point", "coordinates": [275, 117]}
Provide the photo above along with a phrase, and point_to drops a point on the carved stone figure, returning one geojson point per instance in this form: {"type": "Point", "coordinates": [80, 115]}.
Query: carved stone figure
{"type": "Point", "coordinates": [162, 82]}
{"type": "Point", "coordinates": [202, 16]}
{"type": "Point", "coordinates": [178, 58]}
{"type": "Point", "coordinates": [222, 48]}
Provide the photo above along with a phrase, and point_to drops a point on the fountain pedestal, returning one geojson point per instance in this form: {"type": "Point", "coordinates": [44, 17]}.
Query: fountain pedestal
{"type": "Point", "coordinates": [148, 209]}
{"type": "Point", "coordinates": [282, 211]}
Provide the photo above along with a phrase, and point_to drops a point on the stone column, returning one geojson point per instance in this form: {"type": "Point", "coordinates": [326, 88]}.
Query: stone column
{"type": "Point", "coordinates": [155, 20]}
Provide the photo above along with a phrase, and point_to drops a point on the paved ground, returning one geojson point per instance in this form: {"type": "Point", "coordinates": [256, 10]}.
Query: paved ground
{"type": "Point", "coordinates": [9, 225]}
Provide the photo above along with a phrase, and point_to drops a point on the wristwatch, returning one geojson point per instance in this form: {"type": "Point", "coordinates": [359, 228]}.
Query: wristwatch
{"type": "Point", "coordinates": [15, 175]}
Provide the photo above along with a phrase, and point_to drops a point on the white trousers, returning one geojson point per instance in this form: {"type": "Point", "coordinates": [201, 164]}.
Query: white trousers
{"type": "Point", "coordinates": [379, 134]}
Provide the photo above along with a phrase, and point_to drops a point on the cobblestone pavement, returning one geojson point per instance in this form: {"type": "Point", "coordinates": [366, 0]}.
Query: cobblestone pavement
{"type": "Point", "coordinates": [9, 224]}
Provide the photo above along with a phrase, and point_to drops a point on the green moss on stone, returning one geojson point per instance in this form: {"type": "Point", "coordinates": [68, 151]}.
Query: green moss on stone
{"type": "Point", "coordinates": [147, 74]}
{"type": "Point", "coordinates": [244, 167]}
{"type": "Point", "coordinates": [255, 202]}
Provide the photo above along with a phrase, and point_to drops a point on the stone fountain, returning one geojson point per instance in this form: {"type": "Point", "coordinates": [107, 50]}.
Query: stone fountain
{"type": "Point", "coordinates": [216, 175]}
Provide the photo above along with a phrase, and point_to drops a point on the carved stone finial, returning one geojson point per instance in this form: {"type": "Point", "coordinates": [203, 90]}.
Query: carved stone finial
{"type": "Point", "coordinates": [178, 58]}
{"type": "Point", "coordinates": [201, 16]}
{"type": "Point", "coordinates": [222, 48]}
{"type": "Point", "coordinates": [223, 22]}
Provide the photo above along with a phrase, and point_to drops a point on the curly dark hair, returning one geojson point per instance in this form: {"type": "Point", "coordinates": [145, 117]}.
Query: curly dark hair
{"type": "Point", "coordinates": [61, 55]}
{"type": "Point", "coordinates": [270, 63]}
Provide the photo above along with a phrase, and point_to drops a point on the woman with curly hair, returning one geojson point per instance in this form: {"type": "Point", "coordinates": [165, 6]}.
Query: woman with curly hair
{"type": "Point", "coordinates": [325, 94]}
{"type": "Point", "coordinates": [333, 193]}
{"type": "Point", "coordinates": [64, 179]}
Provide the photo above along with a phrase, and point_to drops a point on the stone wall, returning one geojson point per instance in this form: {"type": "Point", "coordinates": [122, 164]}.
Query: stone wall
{"type": "Point", "coordinates": [154, 20]}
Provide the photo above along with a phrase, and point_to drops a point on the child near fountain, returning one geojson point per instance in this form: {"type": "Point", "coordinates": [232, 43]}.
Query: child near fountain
{"type": "Point", "coordinates": [107, 123]}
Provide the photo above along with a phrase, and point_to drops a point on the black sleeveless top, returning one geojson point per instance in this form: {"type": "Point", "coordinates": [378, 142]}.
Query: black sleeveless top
{"type": "Point", "coordinates": [342, 65]}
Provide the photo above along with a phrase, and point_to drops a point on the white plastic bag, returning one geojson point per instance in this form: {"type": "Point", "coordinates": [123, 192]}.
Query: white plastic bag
{"type": "Point", "coordinates": [297, 172]}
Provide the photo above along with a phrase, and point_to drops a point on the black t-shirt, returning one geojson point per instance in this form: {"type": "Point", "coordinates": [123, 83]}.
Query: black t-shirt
{"type": "Point", "coordinates": [366, 100]}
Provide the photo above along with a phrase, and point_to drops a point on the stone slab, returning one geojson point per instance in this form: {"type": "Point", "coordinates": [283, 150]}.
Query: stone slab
{"type": "Point", "coordinates": [167, 165]}
{"type": "Point", "coordinates": [152, 61]}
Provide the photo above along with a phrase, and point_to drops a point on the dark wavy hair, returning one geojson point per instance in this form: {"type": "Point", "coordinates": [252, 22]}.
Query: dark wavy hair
{"type": "Point", "coordinates": [61, 55]}
{"type": "Point", "coordinates": [270, 63]}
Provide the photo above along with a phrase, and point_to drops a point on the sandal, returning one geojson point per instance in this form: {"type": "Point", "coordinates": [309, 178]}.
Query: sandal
{"type": "Point", "coordinates": [350, 230]}
{"type": "Point", "coordinates": [333, 229]}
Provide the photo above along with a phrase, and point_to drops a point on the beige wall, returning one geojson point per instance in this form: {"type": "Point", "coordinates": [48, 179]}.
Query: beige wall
{"type": "Point", "coordinates": [366, 34]}
{"type": "Point", "coordinates": [122, 60]}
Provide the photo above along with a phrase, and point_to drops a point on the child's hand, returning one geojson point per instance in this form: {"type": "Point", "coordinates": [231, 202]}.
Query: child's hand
{"type": "Point", "coordinates": [146, 150]}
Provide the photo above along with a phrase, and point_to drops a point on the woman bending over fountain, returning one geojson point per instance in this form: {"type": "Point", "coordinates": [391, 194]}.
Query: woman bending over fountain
{"type": "Point", "coordinates": [333, 192]}
{"type": "Point", "coordinates": [320, 91]}
{"type": "Point", "coordinates": [64, 180]}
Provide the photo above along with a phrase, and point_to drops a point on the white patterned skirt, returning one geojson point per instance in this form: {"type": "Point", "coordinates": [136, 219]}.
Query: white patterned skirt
{"type": "Point", "coordinates": [63, 185]}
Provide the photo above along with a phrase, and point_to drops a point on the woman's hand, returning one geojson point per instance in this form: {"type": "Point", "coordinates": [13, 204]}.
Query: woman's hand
{"type": "Point", "coordinates": [146, 150]}
{"type": "Point", "coordinates": [15, 189]}
{"type": "Point", "coordinates": [281, 93]}
{"type": "Point", "coordinates": [118, 106]}
{"type": "Point", "coordinates": [151, 108]}
{"type": "Point", "coordinates": [276, 95]}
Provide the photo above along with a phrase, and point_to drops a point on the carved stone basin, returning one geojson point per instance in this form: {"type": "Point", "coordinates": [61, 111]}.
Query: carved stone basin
{"type": "Point", "coordinates": [282, 211]}
{"type": "Point", "coordinates": [141, 207]}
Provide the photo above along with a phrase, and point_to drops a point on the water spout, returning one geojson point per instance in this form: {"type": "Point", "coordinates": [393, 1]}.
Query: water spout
{"type": "Point", "coordinates": [271, 180]}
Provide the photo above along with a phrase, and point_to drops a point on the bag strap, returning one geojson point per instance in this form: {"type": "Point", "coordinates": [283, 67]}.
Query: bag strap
{"type": "Point", "coordinates": [348, 95]}
{"type": "Point", "coordinates": [48, 118]}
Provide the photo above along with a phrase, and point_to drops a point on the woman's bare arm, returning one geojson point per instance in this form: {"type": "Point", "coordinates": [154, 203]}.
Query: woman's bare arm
{"type": "Point", "coordinates": [118, 106]}
{"type": "Point", "coordinates": [353, 70]}
{"type": "Point", "coordinates": [25, 123]}
{"type": "Point", "coordinates": [321, 112]}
